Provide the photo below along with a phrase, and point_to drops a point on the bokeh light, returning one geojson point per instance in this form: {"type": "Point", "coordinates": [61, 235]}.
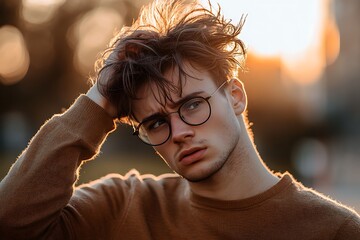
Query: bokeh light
{"type": "Point", "coordinates": [14, 55]}
{"type": "Point", "coordinates": [90, 35]}
{"type": "Point", "coordinates": [39, 11]}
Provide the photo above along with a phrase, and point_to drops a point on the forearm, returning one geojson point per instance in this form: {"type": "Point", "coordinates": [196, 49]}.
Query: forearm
{"type": "Point", "coordinates": [40, 183]}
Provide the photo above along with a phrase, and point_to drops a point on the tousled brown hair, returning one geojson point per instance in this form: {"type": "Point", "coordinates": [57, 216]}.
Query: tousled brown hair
{"type": "Point", "coordinates": [165, 35]}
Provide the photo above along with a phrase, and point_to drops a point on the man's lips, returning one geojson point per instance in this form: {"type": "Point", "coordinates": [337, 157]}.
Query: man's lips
{"type": "Point", "coordinates": [191, 155]}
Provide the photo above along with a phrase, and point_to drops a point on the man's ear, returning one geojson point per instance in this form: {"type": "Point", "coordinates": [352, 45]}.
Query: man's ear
{"type": "Point", "coordinates": [237, 96]}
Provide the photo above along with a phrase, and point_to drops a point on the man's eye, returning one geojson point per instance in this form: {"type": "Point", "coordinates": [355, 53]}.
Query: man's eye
{"type": "Point", "coordinates": [155, 124]}
{"type": "Point", "coordinates": [193, 104]}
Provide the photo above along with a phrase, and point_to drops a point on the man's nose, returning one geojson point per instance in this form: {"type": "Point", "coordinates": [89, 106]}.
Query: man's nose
{"type": "Point", "coordinates": [180, 131]}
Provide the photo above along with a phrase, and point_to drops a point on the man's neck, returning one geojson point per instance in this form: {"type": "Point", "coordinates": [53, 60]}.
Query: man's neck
{"type": "Point", "coordinates": [244, 175]}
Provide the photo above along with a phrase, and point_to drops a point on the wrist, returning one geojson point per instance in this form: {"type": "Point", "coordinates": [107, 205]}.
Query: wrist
{"type": "Point", "coordinates": [100, 100]}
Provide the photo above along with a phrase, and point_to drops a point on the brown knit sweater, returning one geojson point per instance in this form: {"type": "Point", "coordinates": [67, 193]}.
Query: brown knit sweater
{"type": "Point", "coordinates": [38, 199]}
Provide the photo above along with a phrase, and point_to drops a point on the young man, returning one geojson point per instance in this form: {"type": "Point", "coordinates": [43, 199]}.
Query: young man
{"type": "Point", "coordinates": [172, 75]}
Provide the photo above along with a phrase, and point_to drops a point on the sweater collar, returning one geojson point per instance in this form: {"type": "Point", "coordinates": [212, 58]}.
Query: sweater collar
{"type": "Point", "coordinates": [204, 202]}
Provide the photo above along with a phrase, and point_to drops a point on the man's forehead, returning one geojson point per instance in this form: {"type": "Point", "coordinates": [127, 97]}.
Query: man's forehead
{"type": "Point", "coordinates": [151, 97]}
{"type": "Point", "coordinates": [153, 102]}
{"type": "Point", "coordinates": [154, 96]}
{"type": "Point", "coordinates": [171, 87]}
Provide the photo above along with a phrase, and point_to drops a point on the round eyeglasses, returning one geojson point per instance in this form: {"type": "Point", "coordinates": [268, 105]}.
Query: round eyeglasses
{"type": "Point", "coordinates": [156, 129]}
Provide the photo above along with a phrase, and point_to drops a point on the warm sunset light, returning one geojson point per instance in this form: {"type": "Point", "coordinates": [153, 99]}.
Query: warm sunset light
{"type": "Point", "coordinates": [14, 55]}
{"type": "Point", "coordinates": [91, 34]}
{"type": "Point", "coordinates": [39, 11]}
{"type": "Point", "coordinates": [301, 33]}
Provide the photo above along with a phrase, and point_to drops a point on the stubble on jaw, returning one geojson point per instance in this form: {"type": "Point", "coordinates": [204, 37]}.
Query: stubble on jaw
{"type": "Point", "coordinates": [207, 175]}
{"type": "Point", "coordinates": [226, 163]}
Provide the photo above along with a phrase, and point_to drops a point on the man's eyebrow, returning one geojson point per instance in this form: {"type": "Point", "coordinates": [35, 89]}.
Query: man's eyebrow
{"type": "Point", "coordinates": [172, 105]}
{"type": "Point", "coordinates": [184, 99]}
{"type": "Point", "coordinates": [152, 116]}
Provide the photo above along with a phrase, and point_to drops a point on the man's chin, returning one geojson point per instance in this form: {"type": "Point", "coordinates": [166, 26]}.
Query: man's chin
{"type": "Point", "coordinates": [201, 177]}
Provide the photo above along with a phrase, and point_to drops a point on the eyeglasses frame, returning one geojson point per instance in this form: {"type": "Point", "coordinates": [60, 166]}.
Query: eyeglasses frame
{"type": "Point", "coordinates": [136, 129]}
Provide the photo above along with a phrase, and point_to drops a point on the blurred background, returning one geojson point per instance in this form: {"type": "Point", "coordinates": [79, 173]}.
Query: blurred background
{"type": "Point", "coordinates": [302, 81]}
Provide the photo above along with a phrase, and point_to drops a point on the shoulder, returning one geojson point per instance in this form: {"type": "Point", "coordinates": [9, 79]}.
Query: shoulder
{"type": "Point", "coordinates": [310, 204]}
{"type": "Point", "coordinates": [121, 192]}
{"type": "Point", "coordinates": [133, 183]}
{"type": "Point", "coordinates": [149, 187]}
{"type": "Point", "coordinates": [309, 198]}
{"type": "Point", "coordinates": [350, 229]}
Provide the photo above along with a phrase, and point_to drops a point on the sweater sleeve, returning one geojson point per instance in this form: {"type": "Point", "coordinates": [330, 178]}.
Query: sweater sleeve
{"type": "Point", "coordinates": [350, 229]}
{"type": "Point", "coordinates": [40, 183]}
